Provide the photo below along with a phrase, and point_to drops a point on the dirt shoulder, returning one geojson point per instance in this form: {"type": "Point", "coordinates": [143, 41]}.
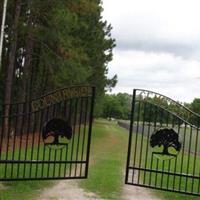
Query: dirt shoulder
{"type": "Point", "coordinates": [137, 193]}
{"type": "Point", "coordinates": [66, 190]}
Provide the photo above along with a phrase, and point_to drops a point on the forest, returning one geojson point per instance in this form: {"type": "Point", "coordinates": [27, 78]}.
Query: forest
{"type": "Point", "coordinates": [53, 44]}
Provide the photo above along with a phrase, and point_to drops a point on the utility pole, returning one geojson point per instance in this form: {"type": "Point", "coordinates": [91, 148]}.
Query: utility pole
{"type": "Point", "coordinates": [2, 29]}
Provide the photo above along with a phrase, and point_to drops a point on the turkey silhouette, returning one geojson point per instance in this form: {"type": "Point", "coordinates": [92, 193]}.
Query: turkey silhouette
{"type": "Point", "coordinates": [55, 128]}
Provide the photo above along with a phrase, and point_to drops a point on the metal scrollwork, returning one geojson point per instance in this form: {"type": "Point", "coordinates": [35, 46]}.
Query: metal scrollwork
{"type": "Point", "coordinates": [177, 108]}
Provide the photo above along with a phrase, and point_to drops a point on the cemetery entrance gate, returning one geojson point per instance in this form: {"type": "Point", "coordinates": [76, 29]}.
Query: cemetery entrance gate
{"type": "Point", "coordinates": [49, 137]}
{"type": "Point", "coordinates": [164, 144]}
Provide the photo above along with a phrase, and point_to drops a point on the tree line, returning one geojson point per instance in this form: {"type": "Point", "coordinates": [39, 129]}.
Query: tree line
{"type": "Point", "coordinates": [118, 106]}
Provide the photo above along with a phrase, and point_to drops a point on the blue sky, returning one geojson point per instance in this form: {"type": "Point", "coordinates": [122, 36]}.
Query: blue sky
{"type": "Point", "coordinates": [158, 46]}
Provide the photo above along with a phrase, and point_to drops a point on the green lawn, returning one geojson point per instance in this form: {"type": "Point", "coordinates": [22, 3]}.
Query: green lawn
{"type": "Point", "coordinates": [32, 152]}
{"type": "Point", "coordinates": [106, 177]}
{"type": "Point", "coordinates": [106, 171]}
{"type": "Point", "coordinates": [144, 159]}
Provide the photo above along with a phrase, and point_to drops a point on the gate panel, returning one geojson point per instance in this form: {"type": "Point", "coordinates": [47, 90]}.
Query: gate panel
{"type": "Point", "coordinates": [164, 145]}
{"type": "Point", "coordinates": [49, 137]}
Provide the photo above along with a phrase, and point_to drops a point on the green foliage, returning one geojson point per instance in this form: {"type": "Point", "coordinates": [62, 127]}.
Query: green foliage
{"type": "Point", "coordinates": [195, 106]}
{"type": "Point", "coordinates": [67, 42]}
{"type": "Point", "coordinates": [117, 106]}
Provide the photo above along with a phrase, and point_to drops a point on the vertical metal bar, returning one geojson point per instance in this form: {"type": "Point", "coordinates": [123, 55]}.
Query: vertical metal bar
{"type": "Point", "coordinates": [169, 166]}
{"type": "Point", "coordinates": [79, 132]}
{"type": "Point", "coordinates": [55, 161]}
{"type": "Point", "coordinates": [66, 157]}
{"type": "Point", "coordinates": [189, 155]}
{"type": "Point", "coordinates": [63, 112]}
{"type": "Point", "coordinates": [50, 150]}
{"type": "Point", "coordinates": [198, 192]}
{"type": "Point", "coordinates": [136, 140]}
{"type": "Point", "coordinates": [155, 126]}
{"type": "Point", "coordinates": [58, 108]}
{"type": "Point", "coordinates": [49, 164]}
{"type": "Point", "coordinates": [142, 139]}
{"type": "Point", "coordinates": [130, 136]}
{"type": "Point", "coordinates": [33, 147]}
{"type": "Point", "coordinates": [156, 176]}
{"type": "Point", "coordinates": [160, 120]}
{"type": "Point", "coordinates": [195, 158]}
{"type": "Point", "coordinates": [167, 124]}
{"type": "Point", "coordinates": [69, 120]}
{"type": "Point", "coordinates": [73, 135]}
{"type": "Point", "coordinates": [64, 115]}
{"type": "Point", "coordinates": [8, 139]}
{"type": "Point", "coordinates": [84, 133]}
{"type": "Point", "coordinates": [21, 135]}
{"type": "Point", "coordinates": [41, 112]}
{"type": "Point", "coordinates": [148, 137]}
{"type": "Point", "coordinates": [44, 147]}
{"type": "Point", "coordinates": [90, 131]}
{"type": "Point", "coordinates": [59, 170]}
{"type": "Point", "coordinates": [2, 134]}
{"type": "Point", "coordinates": [14, 141]}
{"type": "Point", "coordinates": [175, 165]}
{"type": "Point", "coordinates": [182, 156]}
{"type": "Point", "coordinates": [27, 138]}
{"type": "Point", "coordinates": [163, 161]}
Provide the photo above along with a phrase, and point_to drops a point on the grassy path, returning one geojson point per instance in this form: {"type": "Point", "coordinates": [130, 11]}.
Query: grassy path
{"type": "Point", "coordinates": [108, 159]}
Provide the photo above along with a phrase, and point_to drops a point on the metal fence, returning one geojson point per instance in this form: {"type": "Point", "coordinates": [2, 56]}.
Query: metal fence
{"type": "Point", "coordinates": [49, 137]}
{"type": "Point", "coordinates": [164, 145]}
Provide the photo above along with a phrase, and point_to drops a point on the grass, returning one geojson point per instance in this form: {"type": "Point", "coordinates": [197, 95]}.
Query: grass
{"type": "Point", "coordinates": [24, 190]}
{"type": "Point", "coordinates": [108, 158]}
{"type": "Point", "coordinates": [106, 175]}
{"type": "Point", "coordinates": [107, 163]}
{"type": "Point", "coordinates": [106, 171]}
{"type": "Point", "coordinates": [184, 164]}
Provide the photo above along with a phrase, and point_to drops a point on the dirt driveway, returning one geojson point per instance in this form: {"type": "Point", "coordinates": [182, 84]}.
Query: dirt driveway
{"type": "Point", "coordinates": [69, 190]}
{"type": "Point", "coordinates": [66, 190]}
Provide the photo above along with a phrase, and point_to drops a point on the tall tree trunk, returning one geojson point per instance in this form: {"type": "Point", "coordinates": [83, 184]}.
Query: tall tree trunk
{"type": "Point", "coordinates": [10, 68]}
{"type": "Point", "coordinates": [27, 72]}
{"type": "Point", "coordinates": [29, 44]}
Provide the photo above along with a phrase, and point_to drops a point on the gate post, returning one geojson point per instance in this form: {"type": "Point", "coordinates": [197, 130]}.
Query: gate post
{"type": "Point", "coordinates": [130, 135]}
{"type": "Point", "coordinates": [90, 131]}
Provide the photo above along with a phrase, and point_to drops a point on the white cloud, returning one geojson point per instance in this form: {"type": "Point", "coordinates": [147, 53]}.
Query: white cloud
{"type": "Point", "coordinates": [156, 25]}
{"type": "Point", "coordinates": [158, 46]}
{"type": "Point", "coordinates": [174, 76]}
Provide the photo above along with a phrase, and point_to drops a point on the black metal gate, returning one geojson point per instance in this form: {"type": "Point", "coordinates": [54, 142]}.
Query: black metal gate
{"type": "Point", "coordinates": [49, 137]}
{"type": "Point", "coordinates": [164, 144]}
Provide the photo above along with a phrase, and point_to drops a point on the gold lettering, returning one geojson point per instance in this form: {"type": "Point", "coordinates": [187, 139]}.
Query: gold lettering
{"type": "Point", "coordinates": [66, 94]}
{"type": "Point", "coordinates": [60, 96]}
{"type": "Point", "coordinates": [36, 105]}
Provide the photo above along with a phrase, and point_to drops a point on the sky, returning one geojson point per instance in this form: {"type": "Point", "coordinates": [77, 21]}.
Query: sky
{"type": "Point", "coordinates": [158, 46]}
